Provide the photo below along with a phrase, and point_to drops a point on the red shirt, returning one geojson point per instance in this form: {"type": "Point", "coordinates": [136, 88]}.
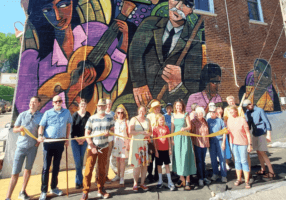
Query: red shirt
{"type": "Point", "coordinates": [163, 143]}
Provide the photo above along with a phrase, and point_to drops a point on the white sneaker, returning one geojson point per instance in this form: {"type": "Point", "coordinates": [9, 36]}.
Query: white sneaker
{"type": "Point", "coordinates": [224, 179]}
{"type": "Point", "coordinates": [201, 183]}
{"type": "Point", "coordinates": [227, 167]}
{"type": "Point", "coordinates": [171, 186]}
{"type": "Point", "coordinates": [43, 196]}
{"type": "Point", "coordinates": [121, 182]}
{"type": "Point", "coordinates": [214, 177]}
{"type": "Point", "coordinates": [56, 191]}
{"type": "Point", "coordinates": [219, 168]}
{"type": "Point", "coordinates": [207, 181]}
{"type": "Point", "coordinates": [116, 178]}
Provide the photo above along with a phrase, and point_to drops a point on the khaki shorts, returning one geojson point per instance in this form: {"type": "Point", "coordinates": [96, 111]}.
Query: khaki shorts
{"type": "Point", "coordinates": [259, 143]}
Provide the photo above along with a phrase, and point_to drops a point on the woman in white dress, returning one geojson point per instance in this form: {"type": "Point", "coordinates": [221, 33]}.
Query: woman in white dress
{"type": "Point", "coordinates": [139, 128]}
{"type": "Point", "coordinates": [121, 145]}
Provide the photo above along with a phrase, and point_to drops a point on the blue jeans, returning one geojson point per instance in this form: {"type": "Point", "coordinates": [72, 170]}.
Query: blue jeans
{"type": "Point", "coordinates": [50, 151]}
{"type": "Point", "coordinates": [200, 160]}
{"type": "Point", "coordinates": [240, 157]}
{"type": "Point", "coordinates": [78, 155]}
{"type": "Point", "coordinates": [216, 151]}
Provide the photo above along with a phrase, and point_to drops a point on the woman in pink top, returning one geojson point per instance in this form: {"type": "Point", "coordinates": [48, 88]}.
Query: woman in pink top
{"type": "Point", "coordinates": [241, 144]}
{"type": "Point", "coordinates": [200, 127]}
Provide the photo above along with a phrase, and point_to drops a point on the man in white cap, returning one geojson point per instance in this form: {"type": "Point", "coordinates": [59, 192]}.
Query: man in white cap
{"type": "Point", "coordinates": [257, 119]}
{"type": "Point", "coordinates": [97, 149]}
{"type": "Point", "coordinates": [155, 108]}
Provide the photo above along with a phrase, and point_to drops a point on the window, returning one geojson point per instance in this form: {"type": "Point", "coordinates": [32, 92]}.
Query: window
{"type": "Point", "coordinates": [255, 11]}
{"type": "Point", "coordinates": [205, 5]}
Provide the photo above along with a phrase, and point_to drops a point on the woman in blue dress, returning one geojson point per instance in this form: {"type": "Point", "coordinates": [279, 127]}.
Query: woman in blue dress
{"type": "Point", "coordinates": [183, 154]}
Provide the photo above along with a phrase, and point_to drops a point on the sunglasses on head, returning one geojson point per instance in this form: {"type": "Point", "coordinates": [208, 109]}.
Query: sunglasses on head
{"type": "Point", "coordinates": [59, 101]}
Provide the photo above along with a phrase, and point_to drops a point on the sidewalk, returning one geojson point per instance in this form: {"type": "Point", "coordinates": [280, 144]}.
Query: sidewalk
{"type": "Point", "coordinates": [277, 157]}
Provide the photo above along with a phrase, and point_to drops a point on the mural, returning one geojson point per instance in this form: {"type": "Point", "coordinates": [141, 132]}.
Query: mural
{"type": "Point", "coordinates": [259, 87]}
{"type": "Point", "coordinates": [128, 51]}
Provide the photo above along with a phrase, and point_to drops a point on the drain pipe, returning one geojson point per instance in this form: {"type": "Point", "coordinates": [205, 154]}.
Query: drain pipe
{"type": "Point", "coordinates": [231, 48]}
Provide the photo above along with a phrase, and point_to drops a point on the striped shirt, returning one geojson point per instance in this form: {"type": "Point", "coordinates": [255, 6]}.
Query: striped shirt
{"type": "Point", "coordinates": [98, 126]}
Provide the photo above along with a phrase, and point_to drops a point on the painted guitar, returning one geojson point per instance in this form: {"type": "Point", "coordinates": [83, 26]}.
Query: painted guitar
{"type": "Point", "coordinates": [96, 55]}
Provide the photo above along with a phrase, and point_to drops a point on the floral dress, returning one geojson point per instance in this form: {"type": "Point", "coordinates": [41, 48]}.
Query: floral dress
{"type": "Point", "coordinates": [138, 154]}
{"type": "Point", "coordinates": [120, 144]}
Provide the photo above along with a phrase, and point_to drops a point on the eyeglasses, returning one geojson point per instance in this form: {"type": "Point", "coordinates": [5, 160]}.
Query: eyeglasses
{"type": "Point", "coordinates": [120, 113]}
{"type": "Point", "coordinates": [59, 101]}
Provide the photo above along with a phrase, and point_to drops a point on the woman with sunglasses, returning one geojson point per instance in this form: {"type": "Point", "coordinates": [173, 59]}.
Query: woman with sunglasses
{"type": "Point", "coordinates": [79, 145]}
{"type": "Point", "coordinates": [121, 145]}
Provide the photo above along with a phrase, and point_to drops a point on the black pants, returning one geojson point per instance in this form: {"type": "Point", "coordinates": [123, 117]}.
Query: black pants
{"type": "Point", "coordinates": [150, 169]}
{"type": "Point", "coordinates": [51, 150]}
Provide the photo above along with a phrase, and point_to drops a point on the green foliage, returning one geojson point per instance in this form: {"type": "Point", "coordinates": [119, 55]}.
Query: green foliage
{"type": "Point", "coordinates": [6, 93]}
{"type": "Point", "coordinates": [9, 46]}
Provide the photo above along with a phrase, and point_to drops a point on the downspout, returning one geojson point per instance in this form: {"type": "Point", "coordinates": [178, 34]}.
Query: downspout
{"type": "Point", "coordinates": [231, 48]}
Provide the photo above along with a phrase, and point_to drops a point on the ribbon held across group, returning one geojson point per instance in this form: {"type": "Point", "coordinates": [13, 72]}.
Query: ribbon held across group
{"type": "Point", "coordinates": [184, 133]}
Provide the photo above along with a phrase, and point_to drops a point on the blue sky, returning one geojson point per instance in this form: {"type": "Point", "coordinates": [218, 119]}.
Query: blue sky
{"type": "Point", "coordinates": [10, 12]}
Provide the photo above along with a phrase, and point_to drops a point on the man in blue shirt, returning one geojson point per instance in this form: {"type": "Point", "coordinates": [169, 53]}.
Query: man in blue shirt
{"type": "Point", "coordinates": [261, 131]}
{"type": "Point", "coordinates": [217, 145]}
{"type": "Point", "coordinates": [55, 124]}
{"type": "Point", "coordinates": [26, 146]}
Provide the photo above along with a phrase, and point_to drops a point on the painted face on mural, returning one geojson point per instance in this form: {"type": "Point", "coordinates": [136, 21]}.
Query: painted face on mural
{"type": "Point", "coordinates": [263, 72]}
{"type": "Point", "coordinates": [58, 13]}
{"type": "Point", "coordinates": [214, 84]}
{"type": "Point", "coordinates": [178, 10]}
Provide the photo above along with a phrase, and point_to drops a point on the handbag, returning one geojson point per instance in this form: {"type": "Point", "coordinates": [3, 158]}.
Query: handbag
{"type": "Point", "coordinates": [151, 148]}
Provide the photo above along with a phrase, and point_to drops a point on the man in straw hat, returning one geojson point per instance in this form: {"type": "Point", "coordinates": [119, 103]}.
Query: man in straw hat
{"type": "Point", "coordinates": [155, 108]}
{"type": "Point", "coordinates": [261, 133]}
{"type": "Point", "coordinates": [97, 149]}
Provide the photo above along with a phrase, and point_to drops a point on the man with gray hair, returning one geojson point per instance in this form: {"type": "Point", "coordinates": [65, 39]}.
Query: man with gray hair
{"type": "Point", "coordinates": [55, 124]}
{"type": "Point", "coordinates": [231, 101]}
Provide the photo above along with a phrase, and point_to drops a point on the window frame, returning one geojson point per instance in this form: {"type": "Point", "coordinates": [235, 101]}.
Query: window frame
{"type": "Point", "coordinates": [211, 7]}
{"type": "Point", "coordinates": [259, 10]}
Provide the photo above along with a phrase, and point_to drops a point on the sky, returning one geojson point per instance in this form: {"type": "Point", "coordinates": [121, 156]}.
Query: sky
{"type": "Point", "coordinates": [10, 12]}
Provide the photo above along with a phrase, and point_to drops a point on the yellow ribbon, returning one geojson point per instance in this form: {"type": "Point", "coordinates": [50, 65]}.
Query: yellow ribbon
{"type": "Point", "coordinates": [184, 133]}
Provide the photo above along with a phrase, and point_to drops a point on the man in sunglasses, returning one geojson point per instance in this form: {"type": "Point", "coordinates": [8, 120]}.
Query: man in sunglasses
{"type": "Point", "coordinates": [26, 146]}
{"type": "Point", "coordinates": [55, 124]}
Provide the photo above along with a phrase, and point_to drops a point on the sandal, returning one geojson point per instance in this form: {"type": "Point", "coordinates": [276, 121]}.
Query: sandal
{"type": "Point", "coordinates": [269, 175]}
{"type": "Point", "coordinates": [260, 172]}
{"type": "Point", "coordinates": [188, 186]}
{"type": "Point", "coordinates": [247, 185]}
{"type": "Point", "coordinates": [180, 184]}
{"type": "Point", "coordinates": [237, 182]}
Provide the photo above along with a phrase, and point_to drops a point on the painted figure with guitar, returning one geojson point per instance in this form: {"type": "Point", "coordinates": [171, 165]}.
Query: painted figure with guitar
{"type": "Point", "coordinates": [71, 57]}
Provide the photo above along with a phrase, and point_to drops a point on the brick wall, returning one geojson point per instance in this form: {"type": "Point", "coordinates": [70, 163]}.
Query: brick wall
{"type": "Point", "coordinates": [247, 40]}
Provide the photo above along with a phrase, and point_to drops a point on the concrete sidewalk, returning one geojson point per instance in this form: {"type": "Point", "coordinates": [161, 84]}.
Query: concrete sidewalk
{"type": "Point", "coordinates": [277, 157]}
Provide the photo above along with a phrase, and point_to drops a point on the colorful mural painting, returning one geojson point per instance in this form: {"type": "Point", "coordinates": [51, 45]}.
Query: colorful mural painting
{"type": "Point", "coordinates": [111, 49]}
{"type": "Point", "coordinates": [130, 51]}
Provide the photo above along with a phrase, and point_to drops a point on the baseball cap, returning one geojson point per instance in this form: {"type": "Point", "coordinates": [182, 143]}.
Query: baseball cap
{"type": "Point", "coordinates": [246, 102]}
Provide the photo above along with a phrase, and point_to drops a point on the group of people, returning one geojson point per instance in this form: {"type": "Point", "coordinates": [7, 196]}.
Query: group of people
{"type": "Point", "coordinates": [143, 140]}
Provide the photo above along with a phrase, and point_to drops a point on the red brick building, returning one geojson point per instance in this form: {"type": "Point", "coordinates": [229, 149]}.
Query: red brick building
{"type": "Point", "coordinates": [252, 36]}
